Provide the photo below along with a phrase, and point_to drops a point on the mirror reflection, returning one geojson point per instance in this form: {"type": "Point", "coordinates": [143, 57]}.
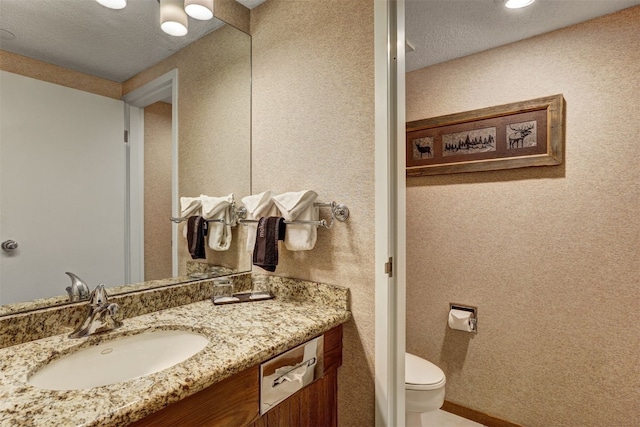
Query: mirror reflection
{"type": "Point", "coordinates": [74, 197]}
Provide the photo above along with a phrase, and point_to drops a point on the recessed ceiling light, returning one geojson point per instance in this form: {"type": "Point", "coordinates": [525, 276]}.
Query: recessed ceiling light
{"type": "Point", "coordinates": [113, 4]}
{"type": "Point", "coordinates": [199, 9]}
{"type": "Point", "coordinates": [517, 4]}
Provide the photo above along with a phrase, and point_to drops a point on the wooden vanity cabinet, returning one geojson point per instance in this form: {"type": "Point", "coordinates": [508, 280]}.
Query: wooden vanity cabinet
{"type": "Point", "coordinates": [235, 401]}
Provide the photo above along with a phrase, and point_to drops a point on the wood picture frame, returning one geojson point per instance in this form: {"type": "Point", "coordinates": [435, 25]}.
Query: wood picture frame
{"type": "Point", "coordinates": [522, 134]}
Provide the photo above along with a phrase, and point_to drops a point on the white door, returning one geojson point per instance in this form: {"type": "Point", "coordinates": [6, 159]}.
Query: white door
{"type": "Point", "coordinates": [62, 188]}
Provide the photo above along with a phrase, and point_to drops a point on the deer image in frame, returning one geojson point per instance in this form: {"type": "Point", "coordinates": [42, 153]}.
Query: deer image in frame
{"type": "Point", "coordinates": [423, 150]}
{"type": "Point", "coordinates": [516, 138]}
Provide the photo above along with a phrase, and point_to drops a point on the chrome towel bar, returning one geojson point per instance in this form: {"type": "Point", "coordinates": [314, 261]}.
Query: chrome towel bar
{"type": "Point", "coordinates": [339, 212]}
{"type": "Point", "coordinates": [234, 211]}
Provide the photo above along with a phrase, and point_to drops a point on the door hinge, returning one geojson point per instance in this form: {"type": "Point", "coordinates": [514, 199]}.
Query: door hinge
{"type": "Point", "coordinates": [388, 267]}
{"type": "Point", "coordinates": [126, 136]}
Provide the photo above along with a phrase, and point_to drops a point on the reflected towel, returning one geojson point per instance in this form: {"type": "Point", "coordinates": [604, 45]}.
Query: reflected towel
{"type": "Point", "coordinates": [196, 234]}
{"type": "Point", "coordinates": [258, 206]}
{"type": "Point", "coordinates": [270, 231]}
{"type": "Point", "coordinates": [299, 206]}
{"type": "Point", "coordinates": [219, 209]}
{"type": "Point", "coordinates": [189, 206]}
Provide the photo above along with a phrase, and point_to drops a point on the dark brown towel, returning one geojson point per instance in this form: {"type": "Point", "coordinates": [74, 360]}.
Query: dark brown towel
{"type": "Point", "coordinates": [265, 252]}
{"type": "Point", "coordinates": [196, 233]}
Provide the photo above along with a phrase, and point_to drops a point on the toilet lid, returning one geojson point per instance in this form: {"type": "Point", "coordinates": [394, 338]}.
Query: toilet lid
{"type": "Point", "coordinates": [421, 374]}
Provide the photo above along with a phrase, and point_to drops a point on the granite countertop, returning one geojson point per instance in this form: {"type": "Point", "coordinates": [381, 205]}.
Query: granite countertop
{"type": "Point", "coordinates": [241, 336]}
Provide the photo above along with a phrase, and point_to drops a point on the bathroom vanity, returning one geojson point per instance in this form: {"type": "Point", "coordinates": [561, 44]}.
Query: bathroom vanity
{"type": "Point", "coordinates": [235, 401]}
{"type": "Point", "coordinates": [219, 385]}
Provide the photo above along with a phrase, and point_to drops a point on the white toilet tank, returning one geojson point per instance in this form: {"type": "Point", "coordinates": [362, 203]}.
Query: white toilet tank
{"type": "Point", "coordinates": [424, 384]}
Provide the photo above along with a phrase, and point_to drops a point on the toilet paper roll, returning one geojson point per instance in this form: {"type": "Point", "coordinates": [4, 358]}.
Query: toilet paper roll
{"type": "Point", "coordinates": [460, 320]}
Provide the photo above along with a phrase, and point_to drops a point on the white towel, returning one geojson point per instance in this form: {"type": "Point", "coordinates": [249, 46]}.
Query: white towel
{"type": "Point", "coordinates": [299, 206]}
{"type": "Point", "coordinates": [189, 206]}
{"type": "Point", "coordinates": [218, 208]}
{"type": "Point", "coordinates": [258, 206]}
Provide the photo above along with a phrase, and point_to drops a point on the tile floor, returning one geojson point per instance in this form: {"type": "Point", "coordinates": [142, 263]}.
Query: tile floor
{"type": "Point", "coordinates": [442, 418]}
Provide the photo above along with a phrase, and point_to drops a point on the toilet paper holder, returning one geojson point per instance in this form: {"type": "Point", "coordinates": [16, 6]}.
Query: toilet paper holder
{"type": "Point", "coordinates": [473, 320]}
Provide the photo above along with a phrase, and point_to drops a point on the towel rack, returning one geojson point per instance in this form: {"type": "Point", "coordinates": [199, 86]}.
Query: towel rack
{"type": "Point", "coordinates": [179, 220]}
{"type": "Point", "coordinates": [339, 212]}
{"type": "Point", "coordinates": [237, 213]}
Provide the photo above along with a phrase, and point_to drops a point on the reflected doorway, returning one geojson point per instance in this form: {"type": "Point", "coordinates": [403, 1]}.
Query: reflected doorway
{"type": "Point", "coordinates": [152, 120]}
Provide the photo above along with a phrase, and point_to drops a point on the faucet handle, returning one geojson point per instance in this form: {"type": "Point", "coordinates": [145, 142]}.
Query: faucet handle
{"type": "Point", "coordinates": [78, 291]}
{"type": "Point", "coordinates": [99, 296]}
{"type": "Point", "coordinates": [113, 309]}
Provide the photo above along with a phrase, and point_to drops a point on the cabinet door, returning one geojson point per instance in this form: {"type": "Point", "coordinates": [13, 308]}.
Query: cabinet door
{"type": "Point", "coordinates": [231, 402]}
{"type": "Point", "coordinates": [315, 406]}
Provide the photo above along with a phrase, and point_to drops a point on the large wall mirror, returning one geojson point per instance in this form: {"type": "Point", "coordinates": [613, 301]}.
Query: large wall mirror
{"type": "Point", "coordinates": [75, 197]}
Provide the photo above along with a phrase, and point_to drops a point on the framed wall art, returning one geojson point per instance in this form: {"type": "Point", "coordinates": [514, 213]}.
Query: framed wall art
{"type": "Point", "coordinates": [523, 134]}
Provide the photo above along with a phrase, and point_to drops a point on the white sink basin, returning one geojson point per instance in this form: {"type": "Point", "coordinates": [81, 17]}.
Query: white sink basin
{"type": "Point", "coordinates": [119, 360]}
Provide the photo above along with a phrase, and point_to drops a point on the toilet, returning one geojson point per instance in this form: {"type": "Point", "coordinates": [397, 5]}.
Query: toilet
{"type": "Point", "coordinates": [424, 388]}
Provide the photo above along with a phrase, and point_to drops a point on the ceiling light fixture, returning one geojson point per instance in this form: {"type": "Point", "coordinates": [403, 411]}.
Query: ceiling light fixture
{"type": "Point", "coordinates": [113, 4]}
{"type": "Point", "coordinates": [173, 13]}
{"type": "Point", "coordinates": [517, 4]}
{"type": "Point", "coordinates": [173, 18]}
{"type": "Point", "coordinates": [199, 9]}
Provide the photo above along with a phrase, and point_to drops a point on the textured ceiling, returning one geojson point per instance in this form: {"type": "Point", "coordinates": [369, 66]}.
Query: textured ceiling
{"type": "Point", "coordinates": [117, 44]}
{"type": "Point", "coordinates": [442, 30]}
{"type": "Point", "coordinates": [85, 36]}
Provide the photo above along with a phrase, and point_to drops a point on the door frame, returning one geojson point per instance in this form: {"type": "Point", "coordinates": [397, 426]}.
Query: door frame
{"type": "Point", "coordinates": [390, 217]}
{"type": "Point", "coordinates": [163, 88]}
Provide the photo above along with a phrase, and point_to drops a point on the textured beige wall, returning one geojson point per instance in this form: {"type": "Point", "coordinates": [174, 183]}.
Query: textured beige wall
{"type": "Point", "coordinates": [313, 128]}
{"type": "Point", "coordinates": [46, 72]}
{"type": "Point", "coordinates": [232, 12]}
{"type": "Point", "coordinates": [157, 191]}
{"type": "Point", "coordinates": [549, 255]}
{"type": "Point", "coordinates": [214, 124]}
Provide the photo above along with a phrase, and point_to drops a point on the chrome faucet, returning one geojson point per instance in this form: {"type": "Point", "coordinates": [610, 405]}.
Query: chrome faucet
{"type": "Point", "coordinates": [78, 291]}
{"type": "Point", "coordinates": [100, 317]}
